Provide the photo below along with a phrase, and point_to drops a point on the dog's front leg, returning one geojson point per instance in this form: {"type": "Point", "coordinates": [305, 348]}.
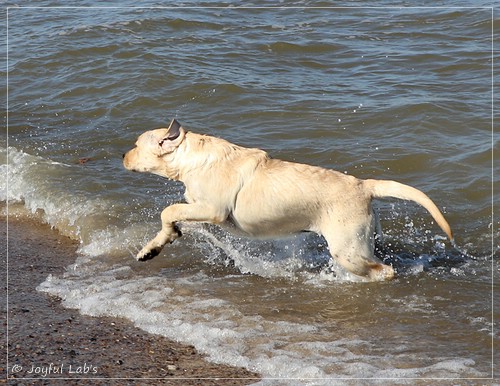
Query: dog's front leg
{"type": "Point", "coordinates": [169, 230]}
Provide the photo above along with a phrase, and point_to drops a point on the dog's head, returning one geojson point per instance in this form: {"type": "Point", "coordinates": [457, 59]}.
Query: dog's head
{"type": "Point", "coordinates": [152, 147]}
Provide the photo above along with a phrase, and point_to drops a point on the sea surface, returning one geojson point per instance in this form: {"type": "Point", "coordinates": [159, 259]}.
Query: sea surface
{"type": "Point", "coordinates": [376, 91]}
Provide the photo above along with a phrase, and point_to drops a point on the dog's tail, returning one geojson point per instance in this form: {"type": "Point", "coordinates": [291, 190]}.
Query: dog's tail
{"type": "Point", "coordinates": [384, 188]}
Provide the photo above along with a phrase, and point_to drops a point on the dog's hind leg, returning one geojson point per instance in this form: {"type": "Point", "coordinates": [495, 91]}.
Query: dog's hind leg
{"type": "Point", "coordinates": [353, 248]}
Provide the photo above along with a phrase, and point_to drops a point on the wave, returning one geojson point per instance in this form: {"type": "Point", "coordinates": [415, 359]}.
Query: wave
{"type": "Point", "coordinates": [38, 187]}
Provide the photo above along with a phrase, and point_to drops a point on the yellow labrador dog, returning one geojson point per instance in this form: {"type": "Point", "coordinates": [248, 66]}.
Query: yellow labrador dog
{"type": "Point", "coordinates": [265, 197]}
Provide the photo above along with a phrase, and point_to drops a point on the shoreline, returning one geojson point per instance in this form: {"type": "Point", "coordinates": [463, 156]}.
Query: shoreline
{"type": "Point", "coordinates": [47, 342]}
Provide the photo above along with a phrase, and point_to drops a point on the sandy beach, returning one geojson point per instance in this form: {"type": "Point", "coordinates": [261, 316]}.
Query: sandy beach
{"type": "Point", "coordinates": [49, 344]}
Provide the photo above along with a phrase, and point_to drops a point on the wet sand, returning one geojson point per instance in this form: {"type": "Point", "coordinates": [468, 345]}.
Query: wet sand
{"type": "Point", "coordinates": [46, 338]}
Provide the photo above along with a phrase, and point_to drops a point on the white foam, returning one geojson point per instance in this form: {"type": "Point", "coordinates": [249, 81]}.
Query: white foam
{"type": "Point", "coordinates": [114, 239]}
{"type": "Point", "coordinates": [216, 327]}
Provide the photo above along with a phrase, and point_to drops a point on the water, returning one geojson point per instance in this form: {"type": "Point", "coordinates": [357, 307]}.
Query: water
{"type": "Point", "coordinates": [394, 93]}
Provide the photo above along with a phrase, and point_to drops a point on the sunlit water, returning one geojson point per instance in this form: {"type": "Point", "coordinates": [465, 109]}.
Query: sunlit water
{"type": "Point", "coordinates": [394, 93]}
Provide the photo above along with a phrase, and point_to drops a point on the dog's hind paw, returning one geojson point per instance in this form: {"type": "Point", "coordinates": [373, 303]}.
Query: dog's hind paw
{"type": "Point", "coordinates": [381, 272]}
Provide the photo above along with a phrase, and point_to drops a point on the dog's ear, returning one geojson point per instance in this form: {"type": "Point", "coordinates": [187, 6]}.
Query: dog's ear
{"type": "Point", "coordinates": [173, 138]}
{"type": "Point", "coordinates": [174, 130]}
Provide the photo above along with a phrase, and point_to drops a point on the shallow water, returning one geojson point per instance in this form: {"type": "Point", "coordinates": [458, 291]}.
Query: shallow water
{"type": "Point", "coordinates": [393, 93]}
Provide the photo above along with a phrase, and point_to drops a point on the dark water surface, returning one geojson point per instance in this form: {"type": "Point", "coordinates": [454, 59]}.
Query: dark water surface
{"type": "Point", "coordinates": [383, 92]}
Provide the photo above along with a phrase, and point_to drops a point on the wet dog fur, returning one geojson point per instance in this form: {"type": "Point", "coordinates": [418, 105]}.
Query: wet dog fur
{"type": "Point", "coordinates": [265, 197]}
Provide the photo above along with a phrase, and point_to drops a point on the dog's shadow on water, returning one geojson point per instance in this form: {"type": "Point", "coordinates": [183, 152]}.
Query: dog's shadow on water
{"type": "Point", "coordinates": [410, 259]}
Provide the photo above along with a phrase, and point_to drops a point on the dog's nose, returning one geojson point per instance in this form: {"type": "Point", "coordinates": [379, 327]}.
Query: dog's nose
{"type": "Point", "coordinates": [123, 155]}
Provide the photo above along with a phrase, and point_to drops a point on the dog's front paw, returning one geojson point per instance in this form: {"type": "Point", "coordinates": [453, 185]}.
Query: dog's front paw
{"type": "Point", "coordinates": [147, 254]}
{"type": "Point", "coordinates": [154, 247]}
